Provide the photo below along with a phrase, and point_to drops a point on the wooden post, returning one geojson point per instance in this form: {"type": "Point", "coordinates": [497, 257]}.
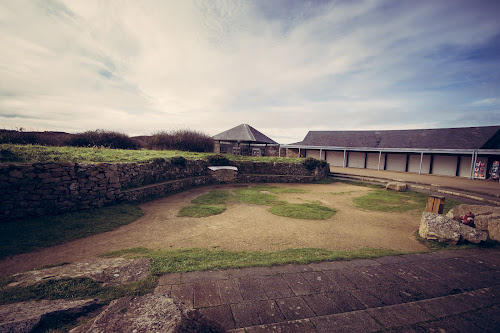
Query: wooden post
{"type": "Point", "coordinates": [435, 204]}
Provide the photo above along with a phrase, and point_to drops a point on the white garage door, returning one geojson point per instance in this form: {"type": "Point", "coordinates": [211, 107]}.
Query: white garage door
{"type": "Point", "coordinates": [372, 161]}
{"type": "Point", "coordinates": [335, 158]}
{"type": "Point", "coordinates": [313, 154]}
{"type": "Point", "coordinates": [464, 168]}
{"type": "Point", "coordinates": [444, 165]}
{"type": "Point", "coordinates": [396, 162]}
{"type": "Point", "coordinates": [356, 160]}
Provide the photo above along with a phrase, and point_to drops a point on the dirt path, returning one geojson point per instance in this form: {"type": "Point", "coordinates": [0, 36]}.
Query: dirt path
{"type": "Point", "coordinates": [242, 227]}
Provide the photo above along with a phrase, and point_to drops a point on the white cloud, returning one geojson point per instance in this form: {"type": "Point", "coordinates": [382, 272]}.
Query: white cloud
{"type": "Point", "coordinates": [145, 66]}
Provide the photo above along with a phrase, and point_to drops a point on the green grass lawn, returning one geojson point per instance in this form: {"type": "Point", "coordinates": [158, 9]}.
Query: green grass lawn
{"type": "Point", "coordinates": [200, 211]}
{"type": "Point", "coordinates": [215, 197]}
{"type": "Point", "coordinates": [37, 233]}
{"type": "Point", "coordinates": [37, 153]}
{"type": "Point", "coordinates": [307, 211]}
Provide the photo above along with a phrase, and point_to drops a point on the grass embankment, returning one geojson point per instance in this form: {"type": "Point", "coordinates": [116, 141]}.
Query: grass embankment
{"type": "Point", "coordinates": [257, 195]}
{"type": "Point", "coordinates": [37, 233]}
{"type": "Point", "coordinates": [38, 153]}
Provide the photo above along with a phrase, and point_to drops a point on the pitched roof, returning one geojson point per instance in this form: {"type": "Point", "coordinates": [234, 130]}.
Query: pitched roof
{"type": "Point", "coordinates": [487, 137]}
{"type": "Point", "coordinates": [243, 133]}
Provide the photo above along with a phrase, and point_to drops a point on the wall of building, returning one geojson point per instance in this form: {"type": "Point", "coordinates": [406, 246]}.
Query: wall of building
{"type": "Point", "coordinates": [56, 188]}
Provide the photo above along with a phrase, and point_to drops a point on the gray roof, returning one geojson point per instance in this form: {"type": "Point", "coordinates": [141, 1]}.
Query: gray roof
{"type": "Point", "coordinates": [244, 133]}
{"type": "Point", "coordinates": [487, 137]}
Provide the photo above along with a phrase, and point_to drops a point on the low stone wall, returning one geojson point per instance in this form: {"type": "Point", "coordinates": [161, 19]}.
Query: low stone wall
{"type": "Point", "coordinates": [55, 188]}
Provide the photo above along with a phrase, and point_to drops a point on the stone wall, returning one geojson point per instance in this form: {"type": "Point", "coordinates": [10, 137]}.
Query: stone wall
{"type": "Point", "coordinates": [56, 188]}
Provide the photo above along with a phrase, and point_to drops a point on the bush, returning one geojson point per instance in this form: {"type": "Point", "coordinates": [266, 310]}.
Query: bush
{"type": "Point", "coordinates": [185, 140]}
{"type": "Point", "coordinates": [33, 138]}
{"type": "Point", "coordinates": [218, 160]}
{"type": "Point", "coordinates": [7, 155]}
{"type": "Point", "coordinates": [312, 163]}
{"type": "Point", "coordinates": [101, 138]}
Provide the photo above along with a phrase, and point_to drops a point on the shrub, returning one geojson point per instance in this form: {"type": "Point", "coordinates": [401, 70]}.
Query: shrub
{"type": "Point", "coordinates": [218, 160]}
{"type": "Point", "coordinates": [178, 161]}
{"type": "Point", "coordinates": [102, 138]}
{"type": "Point", "coordinates": [7, 155]}
{"type": "Point", "coordinates": [34, 138]}
{"type": "Point", "coordinates": [185, 140]}
{"type": "Point", "coordinates": [312, 163]}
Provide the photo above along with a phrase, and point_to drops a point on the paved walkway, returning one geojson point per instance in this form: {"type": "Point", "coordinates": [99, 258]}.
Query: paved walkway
{"type": "Point", "coordinates": [476, 187]}
{"type": "Point", "coordinates": [447, 291]}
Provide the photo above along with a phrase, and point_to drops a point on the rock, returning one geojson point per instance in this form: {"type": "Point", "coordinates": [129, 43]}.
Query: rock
{"type": "Point", "coordinates": [26, 316]}
{"type": "Point", "coordinates": [109, 271]}
{"type": "Point", "coordinates": [487, 218]}
{"type": "Point", "coordinates": [396, 186]}
{"type": "Point", "coordinates": [152, 313]}
{"type": "Point", "coordinates": [447, 230]}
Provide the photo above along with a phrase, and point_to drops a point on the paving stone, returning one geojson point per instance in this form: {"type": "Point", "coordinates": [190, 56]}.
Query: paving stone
{"type": "Point", "coordinates": [221, 314]}
{"type": "Point", "coordinates": [294, 308]}
{"type": "Point", "coordinates": [298, 283]}
{"type": "Point", "coordinates": [361, 263]}
{"type": "Point", "coordinates": [430, 289]}
{"type": "Point", "coordinates": [456, 324]}
{"type": "Point", "coordinates": [456, 286]}
{"type": "Point", "coordinates": [390, 260]}
{"type": "Point", "coordinates": [478, 320]}
{"type": "Point", "coordinates": [295, 326]}
{"type": "Point", "coordinates": [409, 272]}
{"type": "Point", "coordinates": [250, 271]}
{"type": "Point", "coordinates": [357, 321]}
{"type": "Point", "coordinates": [172, 278]}
{"type": "Point", "coordinates": [444, 306]}
{"type": "Point", "coordinates": [290, 269]}
{"type": "Point", "coordinates": [435, 326]}
{"type": "Point", "coordinates": [319, 281]}
{"type": "Point", "coordinates": [184, 293]}
{"type": "Point", "coordinates": [276, 287]}
{"type": "Point", "coordinates": [365, 297]}
{"type": "Point", "coordinates": [355, 277]}
{"type": "Point", "coordinates": [229, 291]}
{"type": "Point", "coordinates": [328, 265]}
{"type": "Point", "coordinates": [206, 294]}
{"type": "Point", "coordinates": [340, 280]}
{"type": "Point", "coordinates": [321, 305]}
{"type": "Point", "coordinates": [479, 298]}
{"type": "Point", "coordinates": [442, 255]}
{"type": "Point", "coordinates": [163, 289]}
{"type": "Point", "coordinates": [459, 266]}
{"type": "Point", "coordinates": [491, 317]}
{"type": "Point", "coordinates": [269, 312]}
{"type": "Point", "coordinates": [441, 270]}
{"type": "Point", "coordinates": [252, 289]}
{"type": "Point", "coordinates": [399, 315]}
{"type": "Point", "coordinates": [203, 276]}
{"type": "Point", "coordinates": [345, 301]}
{"type": "Point", "coordinates": [245, 314]}
{"type": "Point", "coordinates": [238, 330]}
{"type": "Point", "coordinates": [377, 275]}
{"type": "Point", "coordinates": [476, 281]}
{"type": "Point", "coordinates": [417, 257]}
{"type": "Point", "coordinates": [396, 294]}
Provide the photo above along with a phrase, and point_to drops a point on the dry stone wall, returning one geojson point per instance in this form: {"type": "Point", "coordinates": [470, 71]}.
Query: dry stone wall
{"type": "Point", "coordinates": [55, 188]}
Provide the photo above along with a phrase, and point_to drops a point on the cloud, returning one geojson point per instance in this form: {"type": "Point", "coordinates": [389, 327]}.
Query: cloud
{"type": "Point", "coordinates": [285, 67]}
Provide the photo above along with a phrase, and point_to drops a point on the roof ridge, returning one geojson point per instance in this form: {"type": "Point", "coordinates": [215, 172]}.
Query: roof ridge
{"type": "Point", "coordinates": [249, 130]}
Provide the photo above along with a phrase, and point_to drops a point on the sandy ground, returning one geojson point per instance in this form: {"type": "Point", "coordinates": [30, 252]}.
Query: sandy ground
{"type": "Point", "coordinates": [242, 227]}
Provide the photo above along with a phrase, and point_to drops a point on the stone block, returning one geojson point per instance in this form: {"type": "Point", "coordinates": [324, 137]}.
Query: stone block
{"type": "Point", "coordinates": [444, 229]}
{"type": "Point", "coordinates": [396, 186]}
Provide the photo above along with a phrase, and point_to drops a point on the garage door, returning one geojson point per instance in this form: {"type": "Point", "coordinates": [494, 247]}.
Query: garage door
{"type": "Point", "coordinates": [313, 154]}
{"type": "Point", "coordinates": [396, 162]}
{"type": "Point", "coordinates": [464, 168]}
{"type": "Point", "coordinates": [335, 158]}
{"type": "Point", "coordinates": [444, 165]}
{"type": "Point", "coordinates": [356, 160]}
{"type": "Point", "coordinates": [372, 161]}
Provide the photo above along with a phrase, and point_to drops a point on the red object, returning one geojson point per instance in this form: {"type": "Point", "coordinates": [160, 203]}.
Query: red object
{"type": "Point", "coordinates": [468, 219]}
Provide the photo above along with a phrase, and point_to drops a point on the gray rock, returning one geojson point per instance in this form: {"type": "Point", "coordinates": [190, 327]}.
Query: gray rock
{"type": "Point", "coordinates": [487, 218]}
{"type": "Point", "coordinates": [152, 313]}
{"type": "Point", "coordinates": [25, 316]}
{"type": "Point", "coordinates": [447, 230]}
{"type": "Point", "coordinates": [396, 186]}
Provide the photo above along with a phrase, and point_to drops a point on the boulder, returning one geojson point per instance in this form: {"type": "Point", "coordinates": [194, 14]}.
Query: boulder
{"type": "Point", "coordinates": [447, 230]}
{"type": "Point", "coordinates": [30, 316]}
{"type": "Point", "coordinates": [487, 218]}
{"type": "Point", "coordinates": [396, 186]}
{"type": "Point", "coordinates": [152, 313]}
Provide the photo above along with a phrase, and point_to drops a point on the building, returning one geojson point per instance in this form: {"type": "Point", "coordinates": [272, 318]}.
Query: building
{"type": "Point", "coordinates": [463, 152]}
{"type": "Point", "coordinates": [245, 140]}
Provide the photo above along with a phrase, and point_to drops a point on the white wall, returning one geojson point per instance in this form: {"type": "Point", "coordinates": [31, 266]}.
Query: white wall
{"type": "Point", "coordinates": [444, 165]}
{"type": "Point", "coordinates": [372, 161]}
{"type": "Point", "coordinates": [335, 158]}
{"type": "Point", "coordinates": [314, 154]}
{"type": "Point", "coordinates": [396, 162]}
{"type": "Point", "coordinates": [356, 160]}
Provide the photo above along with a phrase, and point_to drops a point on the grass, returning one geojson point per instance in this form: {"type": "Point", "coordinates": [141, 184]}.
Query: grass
{"type": "Point", "coordinates": [253, 195]}
{"type": "Point", "coordinates": [38, 153]}
{"type": "Point", "coordinates": [398, 202]}
{"type": "Point", "coordinates": [194, 259]}
{"type": "Point", "coordinates": [215, 197]}
{"type": "Point", "coordinates": [76, 288]}
{"type": "Point", "coordinates": [307, 211]}
{"type": "Point", "coordinates": [200, 211]}
{"type": "Point", "coordinates": [38, 233]}
{"type": "Point", "coordinates": [277, 189]}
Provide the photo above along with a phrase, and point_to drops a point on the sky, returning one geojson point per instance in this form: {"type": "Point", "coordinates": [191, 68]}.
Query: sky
{"type": "Point", "coordinates": [284, 67]}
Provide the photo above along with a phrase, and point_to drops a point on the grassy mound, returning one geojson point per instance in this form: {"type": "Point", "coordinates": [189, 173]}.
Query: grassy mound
{"type": "Point", "coordinates": [306, 211]}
